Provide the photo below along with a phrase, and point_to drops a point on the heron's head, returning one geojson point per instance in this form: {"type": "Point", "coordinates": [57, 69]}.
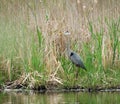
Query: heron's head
{"type": "Point", "coordinates": [67, 33]}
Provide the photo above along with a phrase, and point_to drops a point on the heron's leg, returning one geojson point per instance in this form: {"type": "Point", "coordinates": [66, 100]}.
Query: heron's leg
{"type": "Point", "coordinates": [77, 73]}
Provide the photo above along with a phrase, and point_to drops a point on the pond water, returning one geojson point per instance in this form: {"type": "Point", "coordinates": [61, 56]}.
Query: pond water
{"type": "Point", "coordinates": [60, 98]}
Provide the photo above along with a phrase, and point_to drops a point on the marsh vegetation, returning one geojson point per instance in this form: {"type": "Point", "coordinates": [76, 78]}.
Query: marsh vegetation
{"type": "Point", "coordinates": [32, 44]}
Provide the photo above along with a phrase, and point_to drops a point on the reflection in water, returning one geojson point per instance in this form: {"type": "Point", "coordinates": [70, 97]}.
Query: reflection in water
{"type": "Point", "coordinates": [60, 98]}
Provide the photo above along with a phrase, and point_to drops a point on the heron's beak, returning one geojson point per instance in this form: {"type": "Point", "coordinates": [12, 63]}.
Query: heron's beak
{"type": "Point", "coordinates": [66, 33]}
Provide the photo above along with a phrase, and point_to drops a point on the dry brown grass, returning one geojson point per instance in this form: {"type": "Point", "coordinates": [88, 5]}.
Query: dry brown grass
{"type": "Point", "coordinates": [53, 18]}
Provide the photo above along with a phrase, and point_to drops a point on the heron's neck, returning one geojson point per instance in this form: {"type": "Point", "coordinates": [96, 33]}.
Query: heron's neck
{"type": "Point", "coordinates": [68, 44]}
{"type": "Point", "coordinates": [68, 47]}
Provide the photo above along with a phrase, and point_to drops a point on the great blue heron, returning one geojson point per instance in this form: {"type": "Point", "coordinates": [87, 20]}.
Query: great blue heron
{"type": "Point", "coordinates": [73, 56]}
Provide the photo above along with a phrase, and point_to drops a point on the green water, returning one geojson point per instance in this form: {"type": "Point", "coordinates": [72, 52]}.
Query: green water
{"type": "Point", "coordinates": [60, 98]}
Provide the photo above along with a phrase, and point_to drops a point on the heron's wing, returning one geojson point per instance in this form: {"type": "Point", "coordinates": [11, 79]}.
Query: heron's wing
{"type": "Point", "coordinates": [76, 59]}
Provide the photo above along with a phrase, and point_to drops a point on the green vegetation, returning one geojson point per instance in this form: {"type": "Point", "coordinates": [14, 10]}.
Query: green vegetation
{"type": "Point", "coordinates": [32, 46]}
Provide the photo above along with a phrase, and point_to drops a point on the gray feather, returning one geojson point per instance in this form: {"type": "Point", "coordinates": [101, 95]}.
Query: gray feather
{"type": "Point", "coordinates": [76, 59]}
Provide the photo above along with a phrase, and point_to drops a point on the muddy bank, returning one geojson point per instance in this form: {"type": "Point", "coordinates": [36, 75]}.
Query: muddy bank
{"type": "Point", "coordinates": [60, 90]}
{"type": "Point", "coordinates": [43, 89]}
{"type": "Point", "coordinates": [56, 87]}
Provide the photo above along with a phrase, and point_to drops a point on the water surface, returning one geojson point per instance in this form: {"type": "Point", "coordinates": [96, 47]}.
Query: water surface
{"type": "Point", "coordinates": [60, 98]}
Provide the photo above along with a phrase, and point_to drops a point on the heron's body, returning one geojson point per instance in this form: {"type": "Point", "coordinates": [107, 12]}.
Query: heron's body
{"type": "Point", "coordinates": [75, 58]}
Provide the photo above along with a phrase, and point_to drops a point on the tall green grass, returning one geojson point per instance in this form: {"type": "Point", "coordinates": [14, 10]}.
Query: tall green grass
{"type": "Point", "coordinates": [32, 46]}
{"type": "Point", "coordinates": [113, 28]}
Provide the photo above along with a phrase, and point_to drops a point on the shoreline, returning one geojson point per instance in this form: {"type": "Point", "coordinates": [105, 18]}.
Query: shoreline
{"type": "Point", "coordinates": [60, 90]}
